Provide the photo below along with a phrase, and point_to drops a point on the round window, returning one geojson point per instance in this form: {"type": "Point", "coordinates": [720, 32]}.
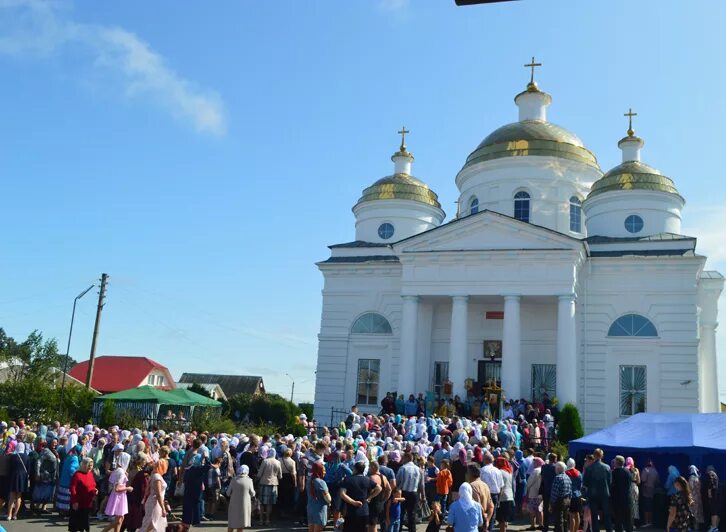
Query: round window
{"type": "Point", "coordinates": [385, 231]}
{"type": "Point", "coordinates": [633, 224]}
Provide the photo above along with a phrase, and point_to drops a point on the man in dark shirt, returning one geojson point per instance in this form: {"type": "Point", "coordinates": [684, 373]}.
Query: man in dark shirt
{"type": "Point", "coordinates": [548, 477]}
{"type": "Point", "coordinates": [250, 459]}
{"type": "Point", "coordinates": [388, 404]}
{"type": "Point", "coordinates": [620, 495]}
{"type": "Point", "coordinates": [357, 491]}
{"type": "Point", "coordinates": [596, 482]}
{"type": "Point", "coordinates": [386, 471]}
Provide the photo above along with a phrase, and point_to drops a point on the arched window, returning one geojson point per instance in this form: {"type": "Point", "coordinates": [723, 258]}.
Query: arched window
{"type": "Point", "coordinates": [575, 214]}
{"type": "Point", "coordinates": [371, 323]}
{"type": "Point", "coordinates": [474, 205]}
{"type": "Point", "coordinates": [521, 206]}
{"type": "Point", "coordinates": [633, 325]}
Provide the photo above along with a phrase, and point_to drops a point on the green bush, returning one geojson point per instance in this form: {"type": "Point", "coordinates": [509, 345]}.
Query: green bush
{"type": "Point", "coordinates": [108, 414]}
{"type": "Point", "coordinates": [561, 450]}
{"type": "Point", "coordinates": [570, 426]}
{"type": "Point", "coordinates": [261, 409]}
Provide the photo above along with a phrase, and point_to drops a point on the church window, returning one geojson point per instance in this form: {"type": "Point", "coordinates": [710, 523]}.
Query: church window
{"type": "Point", "coordinates": [633, 224]}
{"type": "Point", "coordinates": [521, 206]}
{"type": "Point", "coordinates": [633, 388]}
{"type": "Point", "coordinates": [544, 381]}
{"type": "Point", "coordinates": [474, 205]}
{"type": "Point", "coordinates": [575, 214]}
{"type": "Point", "coordinates": [385, 230]}
{"type": "Point", "coordinates": [369, 370]}
{"type": "Point", "coordinates": [633, 325]}
{"type": "Point", "coordinates": [441, 375]}
{"type": "Point", "coordinates": [371, 323]}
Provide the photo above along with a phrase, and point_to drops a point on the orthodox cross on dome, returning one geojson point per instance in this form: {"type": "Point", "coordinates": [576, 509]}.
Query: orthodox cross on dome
{"type": "Point", "coordinates": [403, 132]}
{"type": "Point", "coordinates": [532, 65]}
{"type": "Point", "coordinates": [630, 114]}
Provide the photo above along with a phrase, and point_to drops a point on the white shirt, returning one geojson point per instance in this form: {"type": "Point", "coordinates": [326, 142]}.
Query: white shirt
{"type": "Point", "coordinates": [493, 478]}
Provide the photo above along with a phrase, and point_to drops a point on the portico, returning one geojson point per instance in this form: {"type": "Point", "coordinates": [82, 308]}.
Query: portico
{"type": "Point", "coordinates": [475, 319]}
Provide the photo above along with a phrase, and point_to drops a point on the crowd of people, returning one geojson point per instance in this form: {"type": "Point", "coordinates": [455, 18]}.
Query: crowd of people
{"type": "Point", "coordinates": [386, 472]}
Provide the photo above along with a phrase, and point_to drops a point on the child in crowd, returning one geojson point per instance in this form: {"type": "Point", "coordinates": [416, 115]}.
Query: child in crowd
{"type": "Point", "coordinates": [444, 480]}
{"type": "Point", "coordinates": [436, 518]}
{"type": "Point", "coordinates": [393, 515]}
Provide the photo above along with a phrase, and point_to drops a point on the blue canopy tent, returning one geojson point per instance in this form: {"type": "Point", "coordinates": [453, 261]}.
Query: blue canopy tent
{"type": "Point", "coordinates": [667, 439]}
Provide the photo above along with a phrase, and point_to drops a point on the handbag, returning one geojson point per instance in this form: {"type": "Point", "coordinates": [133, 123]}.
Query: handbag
{"type": "Point", "coordinates": [179, 490]}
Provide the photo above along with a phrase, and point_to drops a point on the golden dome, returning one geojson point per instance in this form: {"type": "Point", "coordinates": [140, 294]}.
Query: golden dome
{"type": "Point", "coordinates": [532, 138]}
{"type": "Point", "coordinates": [633, 175]}
{"type": "Point", "coordinates": [402, 187]}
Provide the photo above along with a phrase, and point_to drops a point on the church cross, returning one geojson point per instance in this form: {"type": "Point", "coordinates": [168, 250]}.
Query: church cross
{"type": "Point", "coordinates": [532, 65]}
{"type": "Point", "coordinates": [403, 137]}
{"type": "Point", "coordinates": [630, 114]}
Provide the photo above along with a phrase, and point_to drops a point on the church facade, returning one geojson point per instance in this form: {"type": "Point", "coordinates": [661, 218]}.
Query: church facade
{"type": "Point", "coordinates": [553, 277]}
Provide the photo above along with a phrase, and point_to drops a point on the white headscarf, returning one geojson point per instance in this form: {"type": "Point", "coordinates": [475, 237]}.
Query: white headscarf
{"type": "Point", "coordinates": [466, 502]}
{"type": "Point", "coordinates": [243, 470]}
{"type": "Point", "coordinates": [72, 442]}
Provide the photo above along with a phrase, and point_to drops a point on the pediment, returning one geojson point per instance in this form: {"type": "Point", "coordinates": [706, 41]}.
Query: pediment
{"type": "Point", "coordinates": [484, 231]}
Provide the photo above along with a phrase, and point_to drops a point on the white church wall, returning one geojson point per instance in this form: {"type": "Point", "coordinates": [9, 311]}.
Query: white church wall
{"type": "Point", "coordinates": [606, 213]}
{"type": "Point", "coordinates": [407, 217]}
{"type": "Point", "coordinates": [661, 289]}
{"type": "Point", "coordinates": [349, 292]}
{"type": "Point", "coordinates": [550, 182]}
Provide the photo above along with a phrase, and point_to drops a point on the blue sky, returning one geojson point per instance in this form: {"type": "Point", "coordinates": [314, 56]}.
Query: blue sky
{"type": "Point", "coordinates": [204, 156]}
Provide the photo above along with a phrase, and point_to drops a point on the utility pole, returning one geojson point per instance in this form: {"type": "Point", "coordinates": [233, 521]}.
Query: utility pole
{"type": "Point", "coordinates": [292, 393]}
{"type": "Point", "coordinates": [99, 309]}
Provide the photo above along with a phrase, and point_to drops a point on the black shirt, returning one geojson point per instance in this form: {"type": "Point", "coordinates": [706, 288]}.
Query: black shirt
{"type": "Point", "coordinates": [250, 460]}
{"type": "Point", "coordinates": [358, 487]}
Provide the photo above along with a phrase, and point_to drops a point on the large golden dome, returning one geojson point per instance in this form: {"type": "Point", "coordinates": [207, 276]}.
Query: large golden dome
{"type": "Point", "coordinates": [532, 138]}
{"type": "Point", "coordinates": [400, 186]}
{"type": "Point", "coordinates": [633, 175]}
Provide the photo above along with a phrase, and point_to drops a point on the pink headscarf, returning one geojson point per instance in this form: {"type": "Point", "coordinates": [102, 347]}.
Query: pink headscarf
{"type": "Point", "coordinates": [629, 463]}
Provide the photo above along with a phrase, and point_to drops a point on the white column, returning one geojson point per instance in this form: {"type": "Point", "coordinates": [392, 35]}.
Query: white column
{"type": "Point", "coordinates": [709, 367]}
{"type": "Point", "coordinates": [407, 356]}
{"type": "Point", "coordinates": [512, 349]}
{"type": "Point", "coordinates": [458, 343]}
{"type": "Point", "coordinates": [566, 350]}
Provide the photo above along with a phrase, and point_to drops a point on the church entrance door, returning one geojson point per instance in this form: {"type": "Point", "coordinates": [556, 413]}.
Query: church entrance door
{"type": "Point", "coordinates": [488, 371]}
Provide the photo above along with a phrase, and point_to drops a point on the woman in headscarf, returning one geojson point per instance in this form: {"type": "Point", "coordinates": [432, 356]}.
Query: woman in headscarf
{"type": "Point", "coordinates": [268, 476]}
{"type": "Point", "coordinates": [465, 515]}
{"type": "Point", "coordinates": [576, 500]}
{"type": "Point", "coordinates": [710, 497]}
{"type": "Point", "coordinates": [46, 473]}
{"type": "Point", "coordinates": [83, 491]}
{"type": "Point", "coordinates": [193, 480]}
{"type": "Point", "coordinates": [634, 488]}
{"type": "Point", "coordinates": [458, 469]}
{"type": "Point", "coordinates": [319, 498]}
{"type": "Point", "coordinates": [505, 508]}
{"type": "Point", "coordinates": [118, 506]}
{"type": "Point", "coordinates": [519, 476]}
{"type": "Point", "coordinates": [673, 474]}
{"type": "Point", "coordinates": [18, 480]}
{"type": "Point", "coordinates": [154, 505]}
{"type": "Point", "coordinates": [534, 499]}
{"type": "Point", "coordinates": [69, 468]}
{"type": "Point", "coordinates": [240, 492]}
{"type": "Point", "coordinates": [694, 485]}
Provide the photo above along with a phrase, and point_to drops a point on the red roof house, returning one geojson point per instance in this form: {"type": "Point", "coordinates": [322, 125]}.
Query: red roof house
{"type": "Point", "coordinates": [117, 373]}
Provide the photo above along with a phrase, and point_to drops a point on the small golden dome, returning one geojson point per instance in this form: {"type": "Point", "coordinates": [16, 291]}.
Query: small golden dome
{"type": "Point", "coordinates": [633, 175]}
{"type": "Point", "coordinates": [532, 138]}
{"type": "Point", "coordinates": [401, 187]}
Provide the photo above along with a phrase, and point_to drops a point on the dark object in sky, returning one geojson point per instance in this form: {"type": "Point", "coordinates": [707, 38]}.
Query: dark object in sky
{"type": "Point", "coordinates": [472, 2]}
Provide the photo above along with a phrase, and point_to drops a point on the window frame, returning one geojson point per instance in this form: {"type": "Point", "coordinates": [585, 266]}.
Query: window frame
{"type": "Point", "coordinates": [633, 390]}
{"type": "Point", "coordinates": [151, 380]}
{"type": "Point", "coordinates": [520, 199]}
{"type": "Point", "coordinates": [576, 214]}
{"type": "Point", "coordinates": [365, 364]}
{"type": "Point", "coordinates": [631, 330]}
{"type": "Point", "coordinates": [473, 205]}
{"type": "Point", "coordinates": [386, 325]}
{"type": "Point", "coordinates": [634, 217]}
{"type": "Point", "coordinates": [381, 226]}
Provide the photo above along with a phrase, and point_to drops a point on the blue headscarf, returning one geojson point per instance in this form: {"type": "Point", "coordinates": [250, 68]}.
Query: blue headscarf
{"type": "Point", "coordinates": [673, 474]}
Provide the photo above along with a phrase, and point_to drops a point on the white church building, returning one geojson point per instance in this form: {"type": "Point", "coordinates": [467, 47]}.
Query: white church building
{"type": "Point", "coordinates": [552, 277]}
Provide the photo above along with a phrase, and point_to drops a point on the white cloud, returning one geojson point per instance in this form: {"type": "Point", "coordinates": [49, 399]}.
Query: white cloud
{"type": "Point", "coordinates": [31, 28]}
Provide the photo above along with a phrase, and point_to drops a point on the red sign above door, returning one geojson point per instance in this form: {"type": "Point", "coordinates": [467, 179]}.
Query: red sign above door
{"type": "Point", "coordinates": [495, 315]}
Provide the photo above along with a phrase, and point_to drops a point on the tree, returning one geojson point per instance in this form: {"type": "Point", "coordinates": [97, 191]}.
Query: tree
{"type": "Point", "coordinates": [33, 358]}
{"type": "Point", "coordinates": [570, 426]}
{"type": "Point", "coordinates": [198, 388]}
